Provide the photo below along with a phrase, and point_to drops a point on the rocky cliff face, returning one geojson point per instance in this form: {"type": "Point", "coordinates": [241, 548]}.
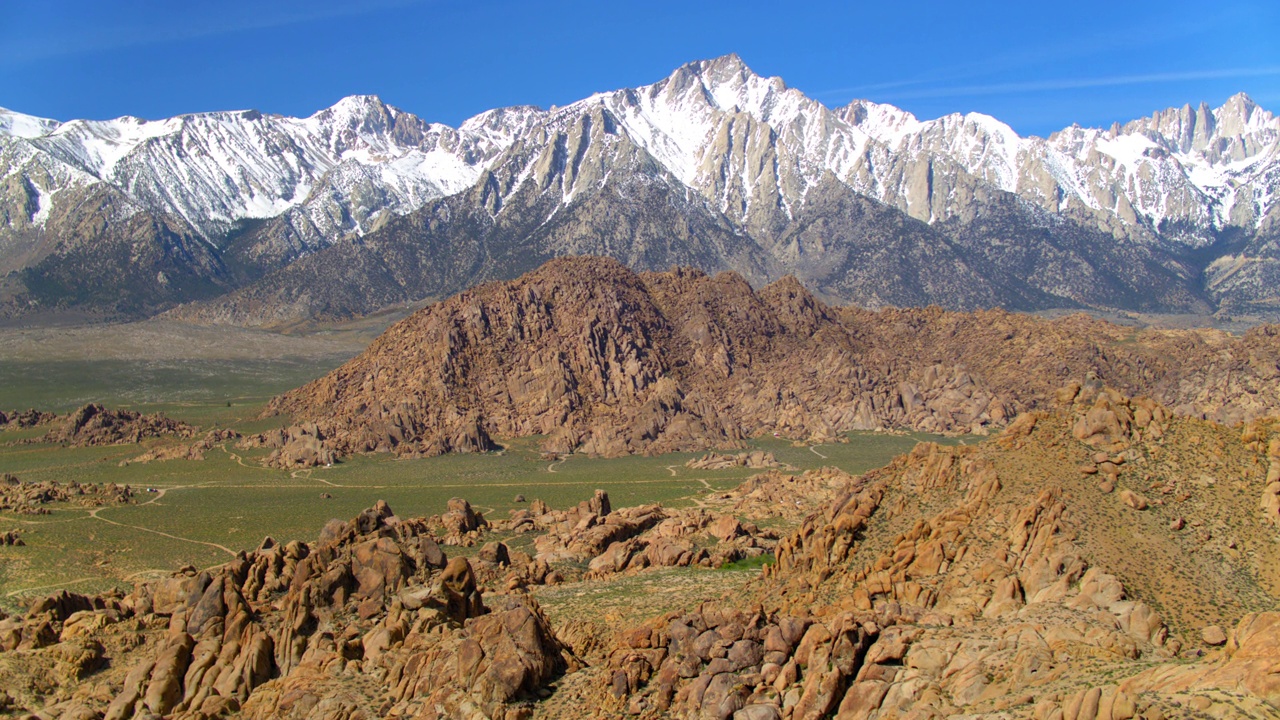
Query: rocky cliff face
{"type": "Point", "coordinates": [713, 166]}
{"type": "Point", "coordinates": [601, 360]}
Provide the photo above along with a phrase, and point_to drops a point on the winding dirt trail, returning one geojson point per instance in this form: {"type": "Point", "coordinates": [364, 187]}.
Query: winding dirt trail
{"type": "Point", "coordinates": [160, 493]}
{"type": "Point", "coordinates": [39, 523]}
{"type": "Point", "coordinates": [65, 583]}
{"type": "Point", "coordinates": [305, 474]}
{"type": "Point", "coordinates": [89, 512]}
{"type": "Point", "coordinates": [240, 461]}
{"type": "Point", "coordinates": [814, 449]}
{"type": "Point", "coordinates": [94, 514]}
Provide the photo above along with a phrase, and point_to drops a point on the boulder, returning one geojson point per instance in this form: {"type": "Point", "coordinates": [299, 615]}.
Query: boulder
{"type": "Point", "coordinates": [1133, 499]}
{"type": "Point", "coordinates": [1213, 635]}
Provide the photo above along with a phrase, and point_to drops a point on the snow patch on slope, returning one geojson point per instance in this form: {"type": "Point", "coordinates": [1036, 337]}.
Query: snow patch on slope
{"type": "Point", "coordinates": [15, 124]}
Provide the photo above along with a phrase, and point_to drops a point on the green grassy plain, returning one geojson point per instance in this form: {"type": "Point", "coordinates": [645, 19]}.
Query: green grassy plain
{"type": "Point", "coordinates": [203, 511]}
{"type": "Point", "coordinates": [202, 391]}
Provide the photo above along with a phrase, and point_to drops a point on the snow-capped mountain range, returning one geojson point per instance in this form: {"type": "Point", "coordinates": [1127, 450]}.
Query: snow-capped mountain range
{"type": "Point", "coordinates": [1192, 190]}
{"type": "Point", "coordinates": [214, 170]}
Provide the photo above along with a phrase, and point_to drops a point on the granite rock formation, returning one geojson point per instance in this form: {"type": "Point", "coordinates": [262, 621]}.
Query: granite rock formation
{"type": "Point", "coordinates": [94, 424]}
{"type": "Point", "coordinates": [280, 631]}
{"type": "Point", "coordinates": [993, 580]}
{"type": "Point", "coordinates": [986, 581]}
{"type": "Point", "coordinates": [608, 362]}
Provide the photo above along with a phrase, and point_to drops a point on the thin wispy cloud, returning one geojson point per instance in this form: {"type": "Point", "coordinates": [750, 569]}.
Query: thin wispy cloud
{"type": "Point", "coordinates": [222, 19]}
{"type": "Point", "coordinates": [1005, 88]}
{"type": "Point", "coordinates": [1051, 53]}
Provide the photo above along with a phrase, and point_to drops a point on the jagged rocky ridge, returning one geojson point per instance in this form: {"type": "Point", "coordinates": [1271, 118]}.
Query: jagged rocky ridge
{"type": "Point", "coordinates": [262, 635]}
{"type": "Point", "coordinates": [94, 424]}
{"type": "Point", "coordinates": [29, 498]}
{"type": "Point", "coordinates": [363, 205]}
{"type": "Point", "coordinates": [602, 360]}
{"type": "Point", "coordinates": [1002, 580]}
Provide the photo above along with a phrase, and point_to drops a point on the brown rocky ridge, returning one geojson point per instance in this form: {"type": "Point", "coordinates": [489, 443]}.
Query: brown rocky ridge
{"type": "Point", "coordinates": [605, 361]}
{"type": "Point", "coordinates": [294, 446]}
{"type": "Point", "coordinates": [25, 419]}
{"type": "Point", "coordinates": [997, 580]}
{"type": "Point", "coordinates": [370, 620]}
{"type": "Point", "coordinates": [28, 498]}
{"type": "Point", "coordinates": [95, 425]}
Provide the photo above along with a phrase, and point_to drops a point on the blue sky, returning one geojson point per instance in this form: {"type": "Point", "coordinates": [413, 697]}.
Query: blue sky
{"type": "Point", "coordinates": [1038, 66]}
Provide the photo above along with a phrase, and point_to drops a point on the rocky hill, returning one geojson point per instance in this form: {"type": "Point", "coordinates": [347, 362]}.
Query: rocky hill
{"type": "Point", "coordinates": [363, 205]}
{"type": "Point", "coordinates": [1101, 559]}
{"type": "Point", "coordinates": [601, 360]}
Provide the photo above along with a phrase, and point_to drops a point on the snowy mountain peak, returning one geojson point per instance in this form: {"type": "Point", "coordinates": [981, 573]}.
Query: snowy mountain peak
{"type": "Point", "coordinates": [726, 68]}
{"type": "Point", "coordinates": [993, 129]}
{"type": "Point", "coordinates": [740, 150]}
{"type": "Point", "coordinates": [514, 114]}
{"type": "Point", "coordinates": [359, 116]}
{"type": "Point", "coordinates": [1240, 115]}
{"type": "Point", "coordinates": [1202, 129]}
{"type": "Point", "coordinates": [356, 107]}
{"type": "Point", "coordinates": [729, 84]}
{"type": "Point", "coordinates": [15, 124]}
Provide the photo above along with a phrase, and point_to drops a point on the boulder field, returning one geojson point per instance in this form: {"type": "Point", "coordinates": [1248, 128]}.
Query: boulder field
{"type": "Point", "coordinates": [995, 580]}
